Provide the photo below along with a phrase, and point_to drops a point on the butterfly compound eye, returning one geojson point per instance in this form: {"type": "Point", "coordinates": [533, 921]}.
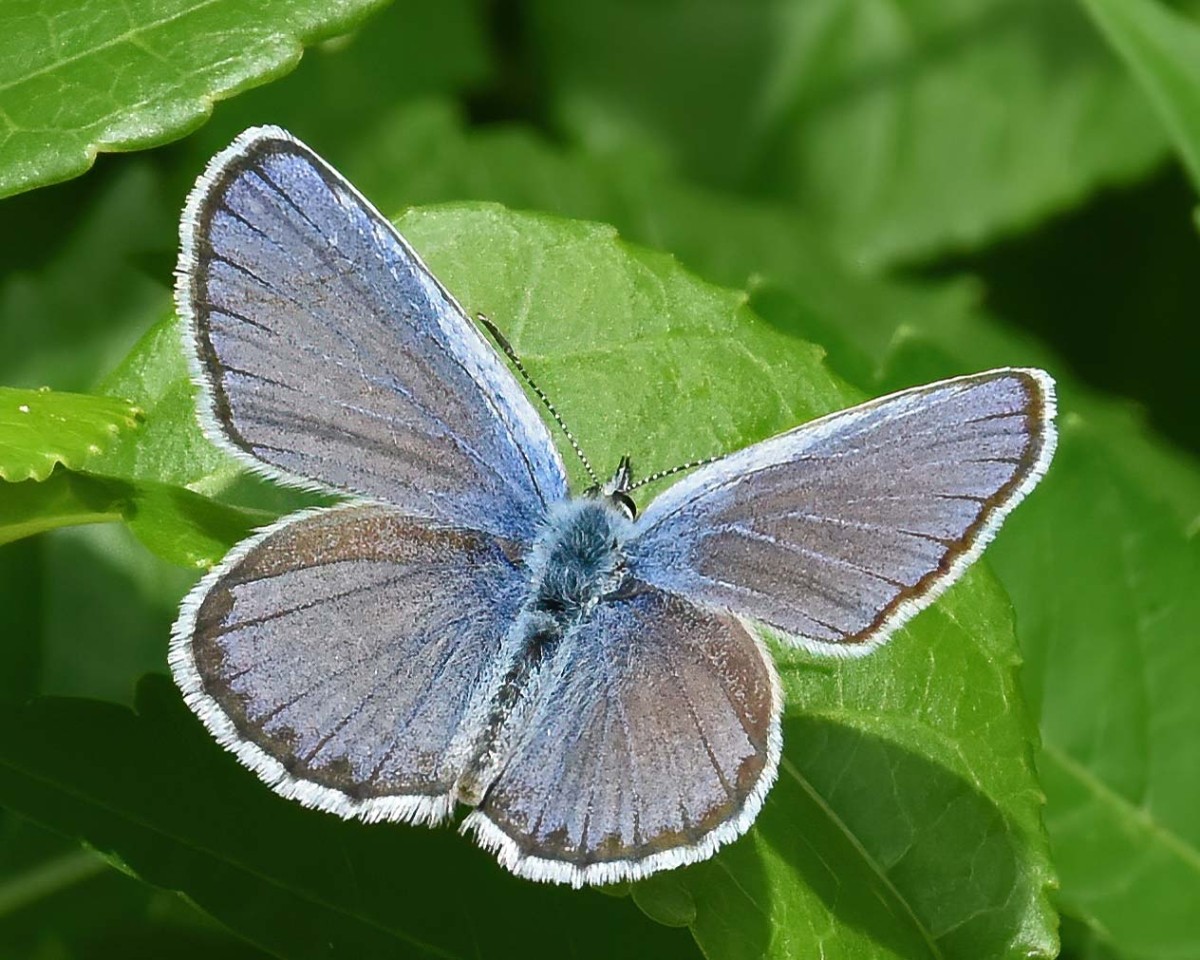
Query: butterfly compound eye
{"type": "Point", "coordinates": [625, 502]}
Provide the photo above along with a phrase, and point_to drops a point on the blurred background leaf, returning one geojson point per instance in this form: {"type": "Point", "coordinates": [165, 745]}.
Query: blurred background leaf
{"type": "Point", "coordinates": [868, 105]}
{"type": "Point", "coordinates": [1162, 48]}
{"type": "Point", "coordinates": [902, 130]}
{"type": "Point", "coordinates": [836, 857]}
{"type": "Point", "coordinates": [60, 900]}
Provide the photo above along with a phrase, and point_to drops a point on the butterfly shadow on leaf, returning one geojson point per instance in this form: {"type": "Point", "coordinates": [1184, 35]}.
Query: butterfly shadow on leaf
{"type": "Point", "coordinates": [884, 840]}
{"type": "Point", "coordinates": [896, 845]}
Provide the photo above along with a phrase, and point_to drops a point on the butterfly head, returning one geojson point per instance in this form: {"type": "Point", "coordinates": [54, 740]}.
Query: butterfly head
{"type": "Point", "coordinates": [616, 489]}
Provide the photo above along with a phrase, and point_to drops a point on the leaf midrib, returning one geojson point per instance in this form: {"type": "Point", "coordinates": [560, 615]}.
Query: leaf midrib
{"type": "Point", "coordinates": [865, 854]}
{"type": "Point", "coordinates": [1139, 815]}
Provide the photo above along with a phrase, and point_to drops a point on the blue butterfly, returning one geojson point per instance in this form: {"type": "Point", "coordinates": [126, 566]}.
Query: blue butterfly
{"type": "Point", "coordinates": [591, 683]}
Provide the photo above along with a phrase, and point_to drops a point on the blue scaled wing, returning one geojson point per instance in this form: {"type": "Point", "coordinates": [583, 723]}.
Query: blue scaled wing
{"type": "Point", "coordinates": [835, 533]}
{"type": "Point", "coordinates": [340, 655]}
{"type": "Point", "coordinates": [651, 742]}
{"type": "Point", "coordinates": [328, 352]}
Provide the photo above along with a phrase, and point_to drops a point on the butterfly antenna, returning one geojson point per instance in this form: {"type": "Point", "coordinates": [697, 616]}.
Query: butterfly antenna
{"type": "Point", "coordinates": [661, 474]}
{"type": "Point", "coordinates": [541, 395]}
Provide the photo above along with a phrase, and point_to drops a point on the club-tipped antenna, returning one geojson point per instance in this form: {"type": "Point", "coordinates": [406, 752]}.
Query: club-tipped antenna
{"type": "Point", "coordinates": [662, 474]}
{"type": "Point", "coordinates": [541, 395]}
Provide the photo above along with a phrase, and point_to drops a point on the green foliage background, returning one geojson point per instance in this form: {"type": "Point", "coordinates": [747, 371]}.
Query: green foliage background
{"type": "Point", "coordinates": [699, 222]}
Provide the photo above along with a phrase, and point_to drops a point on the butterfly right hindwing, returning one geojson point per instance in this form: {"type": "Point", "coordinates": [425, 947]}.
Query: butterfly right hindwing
{"type": "Point", "coordinates": [654, 741]}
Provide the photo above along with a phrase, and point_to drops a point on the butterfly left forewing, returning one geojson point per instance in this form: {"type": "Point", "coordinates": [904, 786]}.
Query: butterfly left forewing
{"type": "Point", "coordinates": [328, 354]}
{"type": "Point", "coordinates": [836, 532]}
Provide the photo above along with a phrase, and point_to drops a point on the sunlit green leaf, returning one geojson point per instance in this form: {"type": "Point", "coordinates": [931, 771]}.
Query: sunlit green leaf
{"type": "Point", "coordinates": [77, 78]}
{"type": "Point", "coordinates": [856, 838]}
{"type": "Point", "coordinates": [40, 429]}
{"type": "Point", "coordinates": [885, 335]}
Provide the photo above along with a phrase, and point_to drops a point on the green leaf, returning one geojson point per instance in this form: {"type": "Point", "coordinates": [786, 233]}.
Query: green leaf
{"type": "Point", "coordinates": [160, 480]}
{"type": "Point", "coordinates": [554, 286]}
{"type": "Point", "coordinates": [906, 822]}
{"type": "Point", "coordinates": [1081, 943]}
{"type": "Point", "coordinates": [1098, 566]}
{"type": "Point", "coordinates": [104, 606]}
{"type": "Point", "coordinates": [182, 527]}
{"type": "Point", "coordinates": [684, 351]}
{"type": "Point", "coordinates": [40, 429]}
{"type": "Point", "coordinates": [1104, 578]}
{"type": "Point", "coordinates": [152, 792]}
{"type": "Point", "coordinates": [77, 291]}
{"type": "Point", "coordinates": [901, 130]}
{"type": "Point", "coordinates": [422, 154]}
{"type": "Point", "coordinates": [66, 499]}
{"type": "Point", "coordinates": [156, 479]}
{"type": "Point", "coordinates": [409, 50]}
{"type": "Point", "coordinates": [78, 79]}
{"type": "Point", "coordinates": [884, 335]}
{"type": "Point", "coordinates": [61, 900]}
{"type": "Point", "coordinates": [23, 614]}
{"type": "Point", "coordinates": [40, 873]}
{"type": "Point", "coordinates": [172, 448]}
{"type": "Point", "coordinates": [87, 608]}
{"type": "Point", "coordinates": [1162, 49]}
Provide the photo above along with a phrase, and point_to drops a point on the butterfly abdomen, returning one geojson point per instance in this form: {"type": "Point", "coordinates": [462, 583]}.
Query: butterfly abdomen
{"type": "Point", "coordinates": [575, 563]}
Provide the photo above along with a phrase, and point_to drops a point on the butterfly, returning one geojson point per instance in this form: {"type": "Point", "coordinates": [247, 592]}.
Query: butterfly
{"type": "Point", "coordinates": [590, 682]}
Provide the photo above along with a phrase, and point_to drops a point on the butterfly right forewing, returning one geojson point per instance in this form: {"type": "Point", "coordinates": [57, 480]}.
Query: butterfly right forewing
{"type": "Point", "coordinates": [836, 532]}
